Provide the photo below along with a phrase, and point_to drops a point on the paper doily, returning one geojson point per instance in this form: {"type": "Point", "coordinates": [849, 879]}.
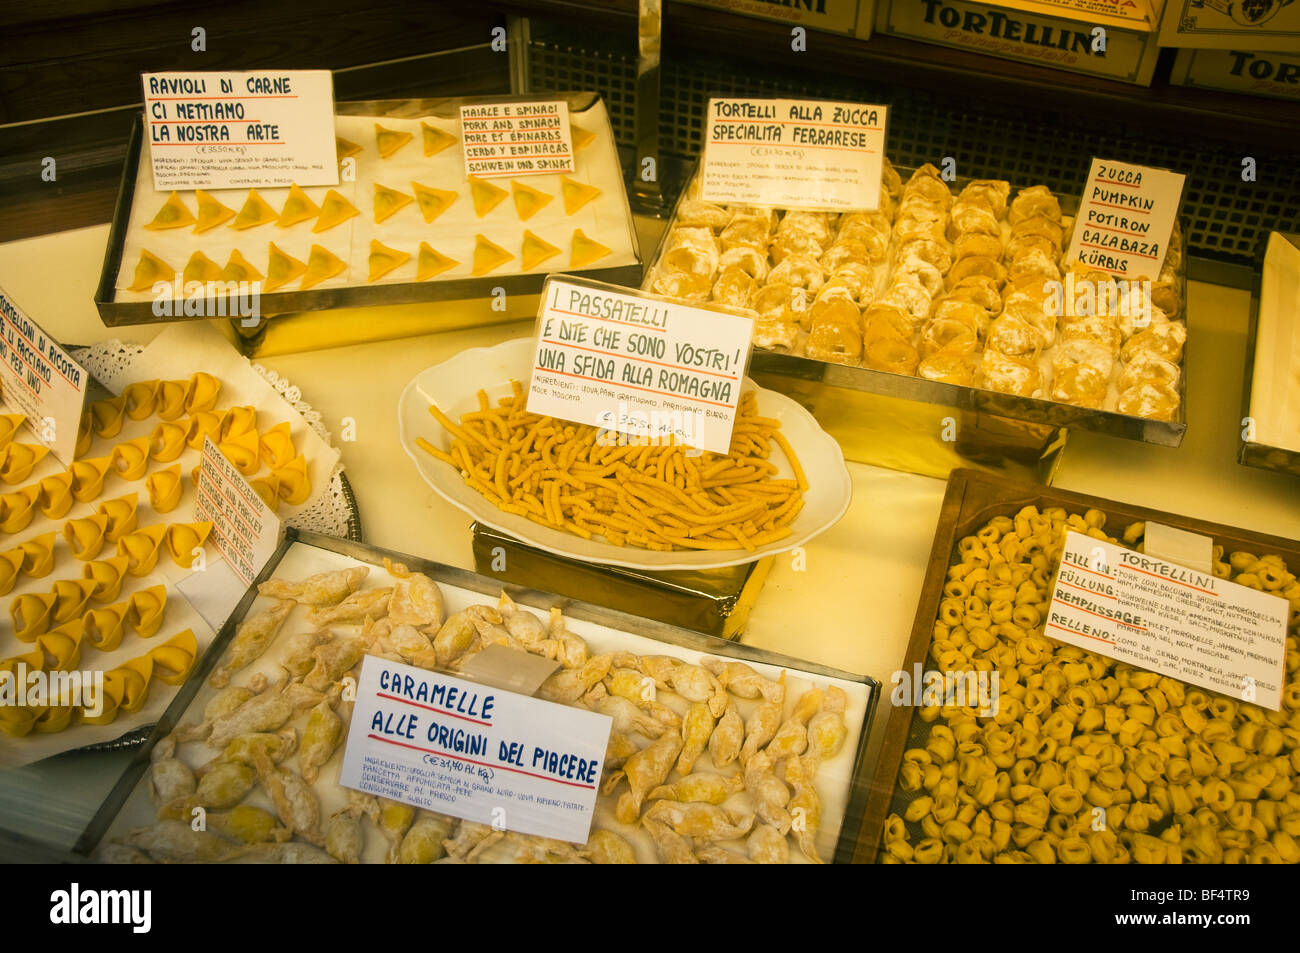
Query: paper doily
{"type": "Point", "coordinates": [334, 513]}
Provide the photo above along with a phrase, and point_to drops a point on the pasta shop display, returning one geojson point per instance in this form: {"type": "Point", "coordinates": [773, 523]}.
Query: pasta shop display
{"type": "Point", "coordinates": [710, 760]}
{"type": "Point", "coordinates": [1086, 760]}
{"type": "Point", "coordinates": [405, 215]}
{"type": "Point", "coordinates": [957, 285]}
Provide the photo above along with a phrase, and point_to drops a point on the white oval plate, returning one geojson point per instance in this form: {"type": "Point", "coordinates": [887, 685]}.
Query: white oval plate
{"type": "Point", "coordinates": [454, 384]}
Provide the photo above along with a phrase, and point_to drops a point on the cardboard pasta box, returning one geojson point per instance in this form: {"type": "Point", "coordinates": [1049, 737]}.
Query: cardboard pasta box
{"type": "Point", "coordinates": [1276, 75]}
{"type": "Point", "coordinates": [1113, 39]}
{"type": "Point", "coordinates": [849, 17]}
{"type": "Point", "coordinates": [1272, 25]}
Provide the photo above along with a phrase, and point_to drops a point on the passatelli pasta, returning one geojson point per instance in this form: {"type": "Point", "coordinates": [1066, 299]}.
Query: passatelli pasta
{"type": "Point", "coordinates": [659, 495]}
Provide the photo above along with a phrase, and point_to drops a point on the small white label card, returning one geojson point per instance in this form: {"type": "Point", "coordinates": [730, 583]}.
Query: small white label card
{"type": "Point", "coordinates": [40, 381]}
{"type": "Point", "coordinates": [516, 138]}
{"type": "Point", "coordinates": [1126, 218]}
{"type": "Point", "coordinates": [244, 529]}
{"type": "Point", "coordinates": [475, 752]}
{"type": "Point", "coordinates": [1166, 618]}
{"type": "Point", "coordinates": [236, 130]}
{"type": "Point", "coordinates": [793, 153]}
{"type": "Point", "coordinates": [638, 365]}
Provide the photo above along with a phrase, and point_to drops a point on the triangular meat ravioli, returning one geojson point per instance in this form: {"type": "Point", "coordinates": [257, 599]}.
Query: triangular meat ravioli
{"type": "Point", "coordinates": [435, 140]}
{"type": "Point", "coordinates": [431, 263]}
{"type": "Point", "coordinates": [346, 147]}
{"type": "Point", "coordinates": [334, 209]}
{"type": "Point", "coordinates": [282, 269]}
{"type": "Point", "coordinates": [488, 256]}
{"type": "Point", "coordinates": [173, 214]}
{"type": "Point", "coordinates": [432, 202]}
{"type": "Point", "coordinates": [536, 251]}
{"type": "Point", "coordinates": [149, 270]}
{"type": "Point", "coordinates": [576, 194]}
{"type": "Point", "coordinates": [297, 208]}
{"type": "Point", "coordinates": [389, 141]}
{"type": "Point", "coordinates": [585, 250]}
{"type": "Point", "coordinates": [389, 201]}
{"type": "Point", "coordinates": [239, 268]}
{"type": "Point", "coordinates": [322, 264]}
{"type": "Point", "coordinates": [200, 268]}
{"type": "Point", "coordinates": [211, 212]}
{"type": "Point", "coordinates": [256, 211]}
{"type": "Point", "coordinates": [486, 195]}
{"type": "Point", "coordinates": [384, 259]}
{"type": "Point", "coordinates": [528, 200]}
{"type": "Point", "coordinates": [581, 137]}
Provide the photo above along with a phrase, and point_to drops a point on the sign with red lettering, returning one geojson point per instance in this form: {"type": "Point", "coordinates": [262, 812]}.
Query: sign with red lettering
{"type": "Point", "coordinates": [1125, 219]}
{"type": "Point", "coordinates": [244, 529]}
{"type": "Point", "coordinates": [475, 752]}
{"type": "Point", "coordinates": [239, 130]}
{"type": "Point", "coordinates": [1170, 619]}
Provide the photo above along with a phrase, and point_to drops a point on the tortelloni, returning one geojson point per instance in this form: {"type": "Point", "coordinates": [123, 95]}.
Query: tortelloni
{"type": "Point", "coordinates": [1088, 760]}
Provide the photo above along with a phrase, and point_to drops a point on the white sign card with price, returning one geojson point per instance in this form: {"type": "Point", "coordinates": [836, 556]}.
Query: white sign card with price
{"type": "Point", "coordinates": [39, 380]}
{"type": "Point", "coordinates": [516, 139]}
{"type": "Point", "coordinates": [638, 364]}
{"type": "Point", "coordinates": [475, 752]}
{"type": "Point", "coordinates": [793, 153]}
{"type": "Point", "coordinates": [1166, 618]}
{"type": "Point", "coordinates": [236, 130]}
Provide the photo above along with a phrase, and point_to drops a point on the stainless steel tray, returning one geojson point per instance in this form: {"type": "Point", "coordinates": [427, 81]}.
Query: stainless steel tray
{"type": "Point", "coordinates": [791, 374]}
{"type": "Point", "coordinates": [490, 588]}
{"type": "Point", "coordinates": [113, 312]}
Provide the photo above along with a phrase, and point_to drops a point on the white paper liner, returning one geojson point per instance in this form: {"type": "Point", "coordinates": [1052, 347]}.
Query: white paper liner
{"type": "Point", "coordinates": [1275, 384]}
{"type": "Point", "coordinates": [174, 355]}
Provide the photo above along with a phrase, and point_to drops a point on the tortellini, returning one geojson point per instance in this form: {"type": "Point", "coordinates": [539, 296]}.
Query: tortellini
{"type": "Point", "coordinates": [1088, 760]}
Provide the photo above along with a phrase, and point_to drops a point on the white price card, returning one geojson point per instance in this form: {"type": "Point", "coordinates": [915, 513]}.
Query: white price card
{"type": "Point", "coordinates": [244, 529]}
{"type": "Point", "coordinates": [793, 153]}
{"type": "Point", "coordinates": [1126, 218]}
{"type": "Point", "coordinates": [475, 752]}
{"type": "Point", "coordinates": [235, 130]}
{"type": "Point", "coordinates": [1166, 618]}
{"type": "Point", "coordinates": [516, 138]}
{"type": "Point", "coordinates": [638, 365]}
{"type": "Point", "coordinates": [40, 381]}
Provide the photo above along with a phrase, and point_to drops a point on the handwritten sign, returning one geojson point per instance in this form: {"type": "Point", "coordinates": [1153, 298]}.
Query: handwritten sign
{"type": "Point", "coordinates": [516, 138]}
{"type": "Point", "coordinates": [245, 530]}
{"type": "Point", "coordinates": [39, 380]}
{"type": "Point", "coordinates": [474, 752]}
{"type": "Point", "coordinates": [638, 365]}
{"type": "Point", "coordinates": [227, 130]}
{"type": "Point", "coordinates": [1166, 618]}
{"type": "Point", "coordinates": [793, 153]}
{"type": "Point", "coordinates": [1126, 218]}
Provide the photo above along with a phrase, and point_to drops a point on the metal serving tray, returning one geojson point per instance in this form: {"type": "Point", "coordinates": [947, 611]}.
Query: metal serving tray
{"type": "Point", "coordinates": [490, 588]}
{"type": "Point", "coordinates": [518, 288]}
{"type": "Point", "coordinates": [899, 422]}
